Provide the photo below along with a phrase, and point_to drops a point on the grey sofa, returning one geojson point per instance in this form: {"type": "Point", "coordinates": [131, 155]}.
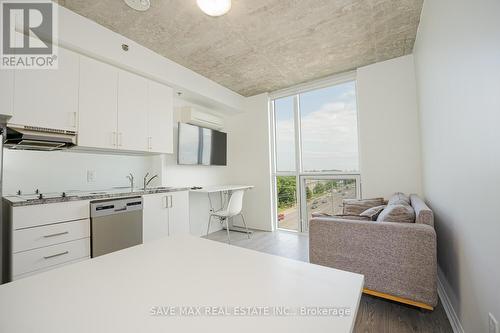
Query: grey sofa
{"type": "Point", "coordinates": [398, 260]}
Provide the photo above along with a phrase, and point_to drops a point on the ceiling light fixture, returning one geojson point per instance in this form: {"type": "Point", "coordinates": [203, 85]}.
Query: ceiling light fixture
{"type": "Point", "coordinates": [140, 5]}
{"type": "Point", "coordinates": [214, 7]}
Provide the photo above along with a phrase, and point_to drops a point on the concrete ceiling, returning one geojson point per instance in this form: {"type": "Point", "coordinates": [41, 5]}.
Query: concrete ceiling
{"type": "Point", "coordinates": [265, 45]}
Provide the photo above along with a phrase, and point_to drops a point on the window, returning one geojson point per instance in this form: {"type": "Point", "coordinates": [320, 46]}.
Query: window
{"type": "Point", "coordinates": [329, 129]}
{"type": "Point", "coordinates": [316, 163]}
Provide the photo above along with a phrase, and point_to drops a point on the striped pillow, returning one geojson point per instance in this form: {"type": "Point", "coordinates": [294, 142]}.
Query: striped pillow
{"type": "Point", "coordinates": [373, 213]}
{"type": "Point", "coordinates": [356, 207]}
{"type": "Point", "coordinates": [397, 213]}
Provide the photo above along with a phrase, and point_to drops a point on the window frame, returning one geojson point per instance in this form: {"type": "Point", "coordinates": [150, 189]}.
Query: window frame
{"type": "Point", "coordinates": [299, 173]}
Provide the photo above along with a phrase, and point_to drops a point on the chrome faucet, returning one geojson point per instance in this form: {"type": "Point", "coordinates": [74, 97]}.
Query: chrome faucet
{"type": "Point", "coordinates": [130, 177]}
{"type": "Point", "coordinates": [146, 181]}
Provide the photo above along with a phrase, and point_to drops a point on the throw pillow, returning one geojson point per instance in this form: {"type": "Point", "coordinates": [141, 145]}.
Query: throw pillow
{"type": "Point", "coordinates": [399, 198]}
{"type": "Point", "coordinates": [373, 212]}
{"type": "Point", "coordinates": [397, 213]}
{"type": "Point", "coordinates": [356, 207]}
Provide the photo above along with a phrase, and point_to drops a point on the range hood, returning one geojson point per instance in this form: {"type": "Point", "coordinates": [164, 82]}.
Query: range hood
{"type": "Point", "coordinates": [38, 138]}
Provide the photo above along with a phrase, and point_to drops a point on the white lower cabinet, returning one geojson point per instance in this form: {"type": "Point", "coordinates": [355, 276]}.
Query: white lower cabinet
{"type": "Point", "coordinates": [178, 214]}
{"type": "Point", "coordinates": [165, 214]}
{"type": "Point", "coordinates": [29, 261]}
{"type": "Point", "coordinates": [155, 217]}
{"type": "Point", "coordinates": [48, 236]}
{"type": "Point", "coordinates": [34, 238]}
{"type": "Point", "coordinates": [53, 235]}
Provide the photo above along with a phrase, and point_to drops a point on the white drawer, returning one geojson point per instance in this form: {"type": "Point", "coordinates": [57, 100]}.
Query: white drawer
{"type": "Point", "coordinates": [28, 261]}
{"type": "Point", "coordinates": [33, 238]}
{"type": "Point", "coordinates": [36, 215]}
{"type": "Point", "coordinates": [17, 277]}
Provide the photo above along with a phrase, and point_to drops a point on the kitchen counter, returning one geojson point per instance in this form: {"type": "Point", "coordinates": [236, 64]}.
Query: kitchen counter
{"type": "Point", "coordinates": [19, 200]}
{"type": "Point", "coordinates": [141, 289]}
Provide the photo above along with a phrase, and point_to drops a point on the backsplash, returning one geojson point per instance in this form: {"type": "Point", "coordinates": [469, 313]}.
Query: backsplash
{"type": "Point", "coordinates": [64, 171]}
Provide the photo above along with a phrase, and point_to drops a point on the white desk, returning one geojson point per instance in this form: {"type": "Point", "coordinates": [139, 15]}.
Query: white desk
{"type": "Point", "coordinates": [222, 188]}
{"type": "Point", "coordinates": [225, 192]}
{"type": "Point", "coordinates": [116, 292]}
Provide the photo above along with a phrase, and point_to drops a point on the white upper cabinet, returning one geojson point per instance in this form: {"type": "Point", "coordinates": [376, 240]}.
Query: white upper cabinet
{"type": "Point", "coordinates": [48, 98]}
{"type": "Point", "coordinates": [160, 118]}
{"type": "Point", "coordinates": [6, 91]}
{"type": "Point", "coordinates": [98, 112]}
{"type": "Point", "coordinates": [109, 108]}
{"type": "Point", "coordinates": [132, 112]}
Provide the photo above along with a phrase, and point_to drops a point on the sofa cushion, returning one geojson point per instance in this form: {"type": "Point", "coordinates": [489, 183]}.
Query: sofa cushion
{"type": "Point", "coordinates": [397, 213]}
{"type": "Point", "coordinates": [356, 206]}
{"type": "Point", "coordinates": [373, 212]}
{"type": "Point", "coordinates": [399, 198]}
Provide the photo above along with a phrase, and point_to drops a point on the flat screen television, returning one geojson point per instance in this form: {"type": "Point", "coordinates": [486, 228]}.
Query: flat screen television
{"type": "Point", "coordinates": [201, 146]}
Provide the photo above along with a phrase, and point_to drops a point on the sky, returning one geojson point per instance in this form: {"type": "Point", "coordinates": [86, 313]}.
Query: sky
{"type": "Point", "coordinates": [328, 121]}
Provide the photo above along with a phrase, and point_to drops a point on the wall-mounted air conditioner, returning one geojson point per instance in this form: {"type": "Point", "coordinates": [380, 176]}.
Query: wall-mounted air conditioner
{"type": "Point", "coordinates": [198, 117]}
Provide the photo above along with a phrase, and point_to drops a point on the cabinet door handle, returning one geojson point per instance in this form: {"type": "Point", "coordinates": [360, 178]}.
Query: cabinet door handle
{"type": "Point", "coordinates": [166, 201]}
{"type": "Point", "coordinates": [55, 235]}
{"type": "Point", "coordinates": [120, 137]}
{"type": "Point", "coordinates": [171, 201]}
{"type": "Point", "coordinates": [113, 139]}
{"type": "Point", "coordinates": [56, 255]}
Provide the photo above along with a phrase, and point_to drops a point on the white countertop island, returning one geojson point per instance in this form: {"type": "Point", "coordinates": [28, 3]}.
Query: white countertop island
{"type": "Point", "coordinates": [183, 284]}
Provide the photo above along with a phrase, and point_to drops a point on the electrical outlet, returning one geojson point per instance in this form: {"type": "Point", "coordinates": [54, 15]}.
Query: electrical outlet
{"type": "Point", "coordinates": [90, 176]}
{"type": "Point", "coordinates": [493, 324]}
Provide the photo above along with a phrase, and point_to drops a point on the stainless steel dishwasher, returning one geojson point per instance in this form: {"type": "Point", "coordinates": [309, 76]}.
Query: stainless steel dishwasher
{"type": "Point", "coordinates": [115, 225]}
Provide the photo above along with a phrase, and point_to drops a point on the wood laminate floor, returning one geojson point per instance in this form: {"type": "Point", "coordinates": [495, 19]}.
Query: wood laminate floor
{"type": "Point", "coordinates": [374, 314]}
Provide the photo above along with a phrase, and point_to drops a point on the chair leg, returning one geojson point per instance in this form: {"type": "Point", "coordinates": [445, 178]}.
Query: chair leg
{"type": "Point", "coordinates": [209, 221]}
{"type": "Point", "coordinates": [245, 224]}
{"type": "Point", "coordinates": [227, 229]}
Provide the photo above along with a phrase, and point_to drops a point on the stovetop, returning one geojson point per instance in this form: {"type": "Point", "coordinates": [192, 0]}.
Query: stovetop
{"type": "Point", "coordinates": [37, 195]}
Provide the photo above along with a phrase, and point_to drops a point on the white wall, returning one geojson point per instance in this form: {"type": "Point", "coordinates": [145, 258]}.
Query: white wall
{"type": "Point", "coordinates": [389, 139]}
{"type": "Point", "coordinates": [63, 171]}
{"type": "Point", "coordinates": [458, 73]}
{"type": "Point", "coordinates": [250, 160]}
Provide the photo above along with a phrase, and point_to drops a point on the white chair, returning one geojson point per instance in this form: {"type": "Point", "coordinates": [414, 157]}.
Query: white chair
{"type": "Point", "coordinates": [233, 209]}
